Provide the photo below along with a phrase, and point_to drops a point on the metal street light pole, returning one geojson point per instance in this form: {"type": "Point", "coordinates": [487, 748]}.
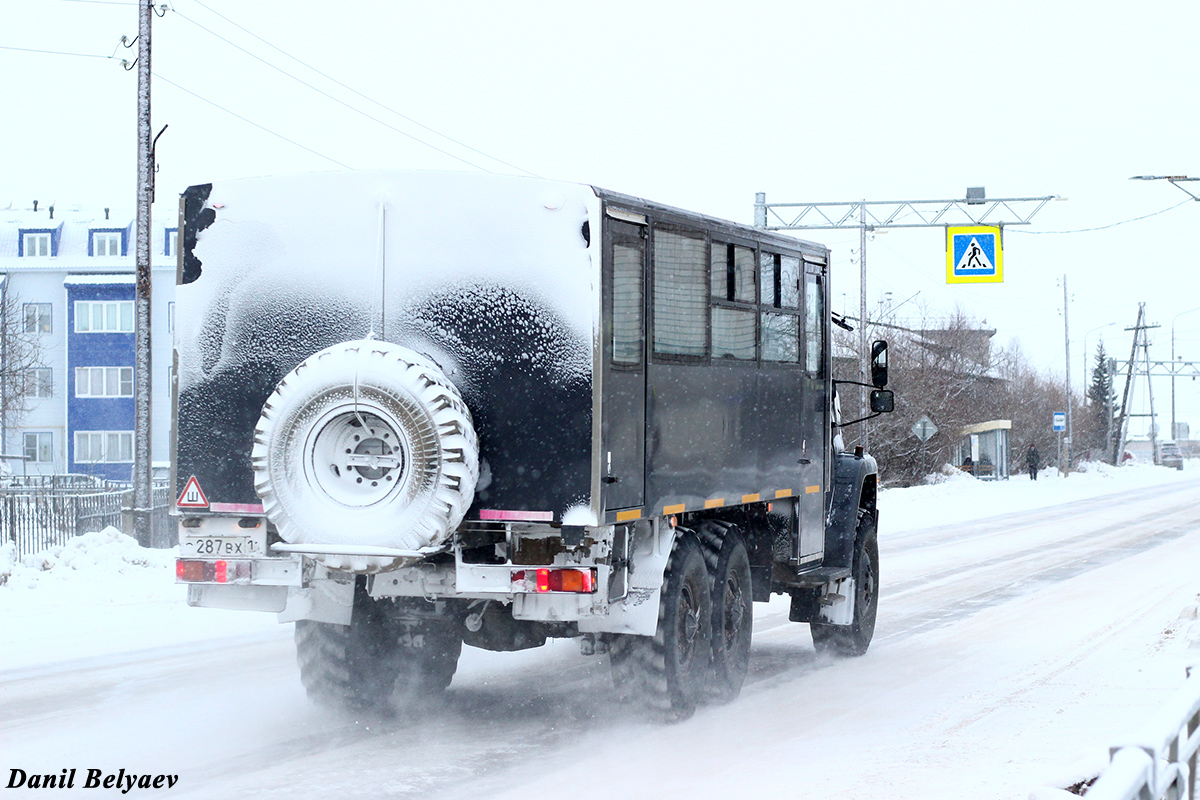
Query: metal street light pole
{"type": "Point", "coordinates": [1174, 438]}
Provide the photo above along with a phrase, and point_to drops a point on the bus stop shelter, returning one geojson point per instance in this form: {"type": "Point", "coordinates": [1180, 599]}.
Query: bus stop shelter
{"type": "Point", "coordinates": [983, 449]}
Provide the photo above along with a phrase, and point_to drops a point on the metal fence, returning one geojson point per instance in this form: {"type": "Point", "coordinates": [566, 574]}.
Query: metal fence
{"type": "Point", "coordinates": [1161, 761]}
{"type": "Point", "coordinates": [38, 512]}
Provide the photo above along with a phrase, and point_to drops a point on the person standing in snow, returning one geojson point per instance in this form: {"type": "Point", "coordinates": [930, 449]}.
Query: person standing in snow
{"type": "Point", "coordinates": [1033, 461]}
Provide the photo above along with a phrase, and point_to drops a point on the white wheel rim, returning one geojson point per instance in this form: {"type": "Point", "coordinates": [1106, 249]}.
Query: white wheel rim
{"type": "Point", "coordinates": [353, 466]}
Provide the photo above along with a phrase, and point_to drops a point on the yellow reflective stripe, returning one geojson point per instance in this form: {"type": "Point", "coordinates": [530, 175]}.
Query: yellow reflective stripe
{"type": "Point", "coordinates": [750, 498]}
{"type": "Point", "coordinates": [811, 489]}
{"type": "Point", "coordinates": [625, 516]}
{"type": "Point", "coordinates": [674, 509]}
{"type": "Point", "coordinates": [783, 492]}
{"type": "Point", "coordinates": [716, 503]}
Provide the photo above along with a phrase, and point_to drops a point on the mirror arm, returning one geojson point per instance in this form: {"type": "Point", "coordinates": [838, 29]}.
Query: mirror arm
{"type": "Point", "coordinates": [856, 421]}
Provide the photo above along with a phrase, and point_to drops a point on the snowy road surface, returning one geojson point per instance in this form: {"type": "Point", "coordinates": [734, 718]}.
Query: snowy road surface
{"type": "Point", "coordinates": [1010, 652]}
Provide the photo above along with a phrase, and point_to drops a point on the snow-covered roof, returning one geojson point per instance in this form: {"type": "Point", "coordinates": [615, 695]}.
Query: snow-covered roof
{"type": "Point", "coordinates": [96, 280]}
{"type": "Point", "coordinates": [984, 427]}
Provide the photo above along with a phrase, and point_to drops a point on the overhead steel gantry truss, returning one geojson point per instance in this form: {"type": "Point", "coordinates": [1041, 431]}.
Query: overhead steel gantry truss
{"type": "Point", "coordinates": [897, 213]}
{"type": "Point", "coordinates": [1163, 369]}
{"type": "Point", "coordinates": [869, 215]}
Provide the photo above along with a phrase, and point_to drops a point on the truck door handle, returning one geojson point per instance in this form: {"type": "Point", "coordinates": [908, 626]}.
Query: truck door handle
{"type": "Point", "coordinates": [806, 461]}
{"type": "Point", "coordinates": [610, 479]}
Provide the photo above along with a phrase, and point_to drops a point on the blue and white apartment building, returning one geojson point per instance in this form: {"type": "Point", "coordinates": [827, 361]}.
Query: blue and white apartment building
{"type": "Point", "coordinates": [69, 277]}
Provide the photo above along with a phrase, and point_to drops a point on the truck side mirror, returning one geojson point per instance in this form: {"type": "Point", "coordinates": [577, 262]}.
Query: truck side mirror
{"type": "Point", "coordinates": [879, 363]}
{"type": "Point", "coordinates": [882, 401]}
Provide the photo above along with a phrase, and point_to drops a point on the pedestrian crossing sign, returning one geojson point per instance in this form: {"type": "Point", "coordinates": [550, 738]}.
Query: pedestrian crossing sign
{"type": "Point", "coordinates": [974, 254]}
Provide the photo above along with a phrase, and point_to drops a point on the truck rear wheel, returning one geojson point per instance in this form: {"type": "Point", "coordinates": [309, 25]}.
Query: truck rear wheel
{"type": "Point", "coordinates": [855, 638]}
{"type": "Point", "coordinates": [427, 656]}
{"type": "Point", "coordinates": [384, 651]}
{"type": "Point", "coordinates": [666, 672]}
{"type": "Point", "coordinates": [732, 608]}
{"type": "Point", "coordinates": [353, 666]}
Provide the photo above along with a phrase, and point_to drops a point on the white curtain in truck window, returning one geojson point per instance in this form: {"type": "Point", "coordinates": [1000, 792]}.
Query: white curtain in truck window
{"type": "Point", "coordinates": [627, 304]}
{"type": "Point", "coordinates": [733, 333]}
{"type": "Point", "coordinates": [680, 293]}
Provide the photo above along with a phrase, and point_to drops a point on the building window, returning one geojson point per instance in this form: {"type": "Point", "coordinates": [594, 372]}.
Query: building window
{"type": "Point", "coordinates": [104, 381]}
{"type": "Point", "coordinates": [36, 245]}
{"type": "Point", "coordinates": [37, 318]}
{"type": "Point", "coordinates": [106, 243]}
{"type": "Point", "coordinates": [171, 317]}
{"type": "Point", "coordinates": [39, 382]}
{"type": "Point", "coordinates": [172, 241]}
{"type": "Point", "coordinates": [103, 447]}
{"type": "Point", "coordinates": [104, 317]}
{"type": "Point", "coordinates": [38, 448]}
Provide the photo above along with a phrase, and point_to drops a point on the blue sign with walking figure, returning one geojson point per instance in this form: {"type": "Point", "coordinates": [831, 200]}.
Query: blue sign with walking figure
{"type": "Point", "coordinates": [974, 254]}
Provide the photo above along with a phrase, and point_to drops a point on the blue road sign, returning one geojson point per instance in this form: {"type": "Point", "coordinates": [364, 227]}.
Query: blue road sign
{"type": "Point", "coordinates": [974, 254]}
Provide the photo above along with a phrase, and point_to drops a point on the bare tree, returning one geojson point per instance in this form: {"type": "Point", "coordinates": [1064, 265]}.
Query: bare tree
{"type": "Point", "coordinates": [948, 369]}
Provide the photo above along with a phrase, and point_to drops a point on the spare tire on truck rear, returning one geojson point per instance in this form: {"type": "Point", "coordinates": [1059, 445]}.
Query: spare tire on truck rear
{"type": "Point", "coordinates": [365, 443]}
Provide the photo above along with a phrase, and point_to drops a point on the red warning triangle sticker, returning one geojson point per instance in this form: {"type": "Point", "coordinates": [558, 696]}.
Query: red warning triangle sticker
{"type": "Point", "coordinates": [192, 496]}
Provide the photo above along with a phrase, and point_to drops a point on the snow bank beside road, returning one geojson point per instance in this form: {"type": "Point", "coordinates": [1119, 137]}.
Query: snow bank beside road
{"type": "Point", "coordinates": [98, 595]}
{"type": "Point", "coordinates": [100, 555]}
{"type": "Point", "coordinates": [960, 497]}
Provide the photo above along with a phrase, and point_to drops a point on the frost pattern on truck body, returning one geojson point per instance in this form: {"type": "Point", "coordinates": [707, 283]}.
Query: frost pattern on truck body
{"type": "Point", "coordinates": [493, 278]}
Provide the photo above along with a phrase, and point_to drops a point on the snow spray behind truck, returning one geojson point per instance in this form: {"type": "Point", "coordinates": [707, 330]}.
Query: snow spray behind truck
{"type": "Point", "coordinates": [417, 410]}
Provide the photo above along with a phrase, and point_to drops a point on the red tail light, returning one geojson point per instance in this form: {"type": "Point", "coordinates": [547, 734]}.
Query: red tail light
{"type": "Point", "coordinates": [548, 579]}
{"type": "Point", "coordinates": [212, 571]}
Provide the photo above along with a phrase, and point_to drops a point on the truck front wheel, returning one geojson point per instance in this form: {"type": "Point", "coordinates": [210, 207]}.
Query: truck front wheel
{"type": "Point", "coordinates": [855, 638]}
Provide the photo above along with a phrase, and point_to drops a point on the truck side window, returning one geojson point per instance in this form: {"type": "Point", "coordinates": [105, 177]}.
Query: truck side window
{"type": "Point", "coordinates": [734, 318]}
{"type": "Point", "coordinates": [814, 324]}
{"type": "Point", "coordinates": [627, 304]}
{"type": "Point", "coordinates": [779, 302]}
{"type": "Point", "coordinates": [680, 293]}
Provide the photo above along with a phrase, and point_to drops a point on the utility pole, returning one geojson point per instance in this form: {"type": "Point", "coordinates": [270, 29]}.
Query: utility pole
{"type": "Point", "coordinates": [863, 369]}
{"type": "Point", "coordinates": [1140, 339]}
{"type": "Point", "coordinates": [1111, 366]}
{"type": "Point", "coordinates": [142, 493]}
{"type": "Point", "coordinates": [1065, 465]}
{"type": "Point", "coordinates": [870, 215]}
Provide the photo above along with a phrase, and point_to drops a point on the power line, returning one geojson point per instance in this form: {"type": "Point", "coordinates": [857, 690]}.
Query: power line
{"type": "Point", "coordinates": [360, 94]}
{"type": "Point", "coordinates": [332, 97]}
{"type": "Point", "coordinates": [186, 91]}
{"type": "Point", "coordinates": [1102, 227]}
{"type": "Point", "coordinates": [52, 52]}
{"type": "Point", "coordinates": [250, 122]}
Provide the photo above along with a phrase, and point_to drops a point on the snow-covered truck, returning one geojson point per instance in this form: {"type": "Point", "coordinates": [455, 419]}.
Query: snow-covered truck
{"type": "Point", "coordinates": [417, 410]}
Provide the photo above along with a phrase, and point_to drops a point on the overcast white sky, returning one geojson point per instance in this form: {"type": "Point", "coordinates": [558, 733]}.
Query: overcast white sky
{"type": "Point", "coordinates": [698, 104]}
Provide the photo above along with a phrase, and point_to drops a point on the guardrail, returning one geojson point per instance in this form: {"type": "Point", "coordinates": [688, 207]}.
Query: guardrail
{"type": "Point", "coordinates": [1160, 762]}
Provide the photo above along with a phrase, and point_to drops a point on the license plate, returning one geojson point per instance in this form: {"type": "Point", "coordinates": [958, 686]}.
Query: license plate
{"type": "Point", "coordinates": [221, 546]}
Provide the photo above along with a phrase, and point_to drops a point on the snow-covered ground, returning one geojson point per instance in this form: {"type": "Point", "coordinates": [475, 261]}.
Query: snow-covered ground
{"type": "Point", "coordinates": [1024, 627]}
